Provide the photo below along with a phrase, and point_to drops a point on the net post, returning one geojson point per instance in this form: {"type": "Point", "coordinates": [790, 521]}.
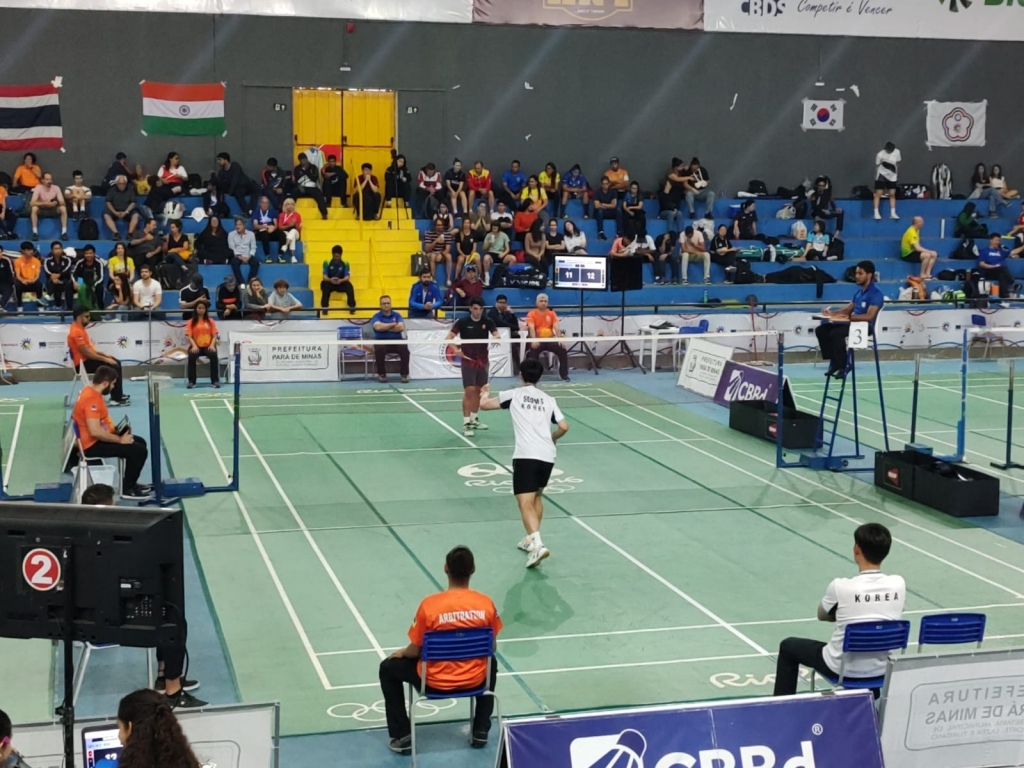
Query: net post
{"type": "Point", "coordinates": [236, 424]}
{"type": "Point", "coordinates": [961, 427]}
{"type": "Point", "coordinates": [913, 404]}
{"type": "Point", "coordinates": [1009, 463]}
{"type": "Point", "coordinates": [780, 402]}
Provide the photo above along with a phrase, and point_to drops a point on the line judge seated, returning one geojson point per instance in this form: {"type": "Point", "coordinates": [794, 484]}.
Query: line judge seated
{"type": "Point", "coordinates": [388, 325]}
{"type": "Point", "coordinates": [864, 307]}
{"type": "Point", "coordinates": [545, 335]}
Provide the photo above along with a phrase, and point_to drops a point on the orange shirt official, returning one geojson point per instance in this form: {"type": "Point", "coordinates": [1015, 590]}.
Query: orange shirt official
{"type": "Point", "coordinates": [90, 405]}
{"type": "Point", "coordinates": [542, 322]}
{"type": "Point", "coordinates": [202, 332]}
{"type": "Point", "coordinates": [78, 337]}
{"type": "Point", "coordinates": [454, 609]}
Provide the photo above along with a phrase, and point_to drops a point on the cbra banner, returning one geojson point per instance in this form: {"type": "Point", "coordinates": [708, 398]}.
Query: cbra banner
{"type": "Point", "coordinates": [810, 731]}
{"type": "Point", "coordinates": [660, 14]}
{"type": "Point", "coordinates": [939, 19]}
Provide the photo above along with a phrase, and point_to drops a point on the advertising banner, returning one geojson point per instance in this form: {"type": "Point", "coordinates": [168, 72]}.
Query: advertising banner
{"type": "Point", "coordinates": [438, 361]}
{"type": "Point", "coordinates": [661, 14]}
{"type": "Point", "coordinates": [793, 732]}
{"type": "Point", "coordinates": [963, 710]}
{"type": "Point", "coordinates": [743, 382]}
{"type": "Point", "coordinates": [956, 123]}
{"type": "Point", "coordinates": [938, 19]}
{"type": "Point", "coordinates": [703, 366]}
{"type": "Point", "coordinates": [309, 356]}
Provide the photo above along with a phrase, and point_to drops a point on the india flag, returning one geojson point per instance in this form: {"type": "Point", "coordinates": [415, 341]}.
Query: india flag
{"type": "Point", "coordinates": [182, 110]}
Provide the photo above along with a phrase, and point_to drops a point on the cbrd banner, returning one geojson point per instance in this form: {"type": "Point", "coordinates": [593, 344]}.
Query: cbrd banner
{"type": "Point", "coordinates": [744, 382]}
{"type": "Point", "coordinates": [810, 731]}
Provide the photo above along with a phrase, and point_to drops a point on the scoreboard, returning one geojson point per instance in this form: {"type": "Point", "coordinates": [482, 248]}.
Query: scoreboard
{"type": "Point", "coordinates": [584, 273]}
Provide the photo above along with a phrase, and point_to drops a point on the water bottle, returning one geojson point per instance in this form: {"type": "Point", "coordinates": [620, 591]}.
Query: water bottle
{"type": "Point", "coordinates": [704, 297]}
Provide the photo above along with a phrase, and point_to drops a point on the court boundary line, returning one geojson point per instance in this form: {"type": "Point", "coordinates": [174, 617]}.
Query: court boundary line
{"type": "Point", "coordinates": [821, 505]}
{"type": "Point", "coordinates": [282, 593]}
{"type": "Point", "coordinates": [309, 539]}
{"type": "Point", "coordinates": [649, 571]}
{"type": "Point", "coordinates": [14, 444]}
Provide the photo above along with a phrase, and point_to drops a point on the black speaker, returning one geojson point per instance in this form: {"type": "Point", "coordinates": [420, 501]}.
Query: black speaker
{"type": "Point", "coordinates": [626, 273]}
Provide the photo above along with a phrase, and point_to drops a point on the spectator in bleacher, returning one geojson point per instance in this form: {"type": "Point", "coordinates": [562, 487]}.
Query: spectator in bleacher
{"type": "Point", "coordinates": [398, 181]}
{"type": "Point", "coordinates": [230, 301]}
{"type": "Point", "coordinates": [823, 205]}
{"type": "Point", "coordinates": [192, 293]}
{"type": "Point", "coordinates": [543, 328]}
{"type": "Point", "coordinates": [436, 246]}
{"type": "Point", "coordinates": [424, 297]}
{"type": "Point", "coordinates": [634, 218]}
{"type": "Point", "coordinates": [869, 596]}
{"type": "Point", "coordinates": [264, 226]}
{"type": "Point", "coordinates": [178, 255]}
{"type": "Point", "coordinates": [59, 285]}
{"type": "Point", "coordinates": [242, 244]}
{"type": "Point", "coordinates": [497, 246]}
{"type": "Point", "coordinates": [366, 197]}
{"type": "Point", "coordinates": [478, 181]}
{"type": "Point", "coordinates": [999, 183]}
{"type": "Point", "coordinates": [698, 187]}
{"type": "Point", "coordinates": [289, 224]}
{"type": "Point", "coordinates": [574, 240]}
{"type": "Point", "coordinates": [388, 326]}
{"type": "Point", "coordinates": [212, 243]}
{"type": "Point", "coordinates": [118, 260]}
{"type": "Point", "coordinates": [148, 248]}
{"type": "Point", "coordinates": [445, 217]}
{"type": "Point", "coordinates": [817, 243]}
{"type": "Point", "coordinates": [213, 201]}
{"type": "Point", "coordinates": [554, 243]}
{"type": "Point", "coordinates": [254, 299]}
{"type": "Point", "coordinates": [575, 186]}
{"type": "Point", "coordinates": [672, 192]}
{"type": "Point", "coordinates": [981, 185]}
{"type": "Point", "coordinates": [606, 205]}
{"type": "Point", "coordinates": [83, 353]}
{"type": "Point", "coordinates": [665, 252]}
{"type": "Point", "coordinates": [537, 197]}
{"type": "Point", "coordinates": [232, 182]}
{"type": "Point", "coordinates": [911, 250]}
{"type": "Point", "coordinates": [693, 247]}
{"type": "Point", "coordinates": [117, 168]}
{"type": "Point", "coordinates": [120, 293]}
{"type": "Point", "coordinates": [429, 189]}
{"type": "Point", "coordinates": [27, 176]}
{"type": "Point", "coordinates": [723, 253]}
{"type": "Point", "coordinates": [335, 181]}
{"type": "Point", "coordinates": [274, 183]}
{"type": "Point", "coordinates": [281, 300]}
{"type": "Point", "coordinates": [455, 187]}
{"type": "Point", "coordinates": [992, 264]}
{"type": "Point", "coordinates": [513, 181]}
{"type": "Point", "coordinates": [744, 226]}
{"type": "Point", "coordinates": [337, 277]}
{"type": "Point", "coordinates": [77, 195]}
{"type": "Point", "coordinates": [458, 607]}
{"type": "Point", "coordinates": [503, 317]}
{"type": "Point", "coordinates": [6, 281]}
{"type": "Point", "coordinates": [202, 333]}
{"type": "Point", "coordinates": [535, 247]}
{"type": "Point", "coordinates": [28, 268]}
{"type": "Point", "coordinates": [467, 287]}
{"type": "Point", "coordinates": [48, 203]}
{"type": "Point", "coordinates": [307, 183]}
{"type": "Point", "coordinates": [887, 163]}
{"type": "Point", "coordinates": [8, 218]}
{"type": "Point", "coordinates": [865, 305]}
{"type": "Point", "coordinates": [91, 272]}
{"type": "Point", "coordinates": [120, 205]}
{"type": "Point", "coordinates": [147, 293]}
{"type": "Point", "coordinates": [551, 182]}
{"type": "Point", "coordinates": [967, 224]}
{"type": "Point", "coordinates": [171, 180]}
{"type": "Point", "coordinates": [618, 178]}
{"type": "Point", "coordinates": [465, 246]}
{"type": "Point", "coordinates": [480, 221]}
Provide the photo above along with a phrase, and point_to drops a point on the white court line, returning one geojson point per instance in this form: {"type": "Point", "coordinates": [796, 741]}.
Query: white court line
{"type": "Point", "coordinates": [303, 637]}
{"type": "Point", "coordinates": [656, 576]}
{"type": "Point", "coordinates": [825, 507]}
{"type": "Point", "coordinates": [14, 446]}
{"type": "Point", "coordinates": [689, 627]}
{"type": "Point", "coordinates": [311, 541]}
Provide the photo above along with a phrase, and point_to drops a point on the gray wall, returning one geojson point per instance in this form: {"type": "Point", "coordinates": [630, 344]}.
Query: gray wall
{"type": "Point", "coordinates": [644, 95]}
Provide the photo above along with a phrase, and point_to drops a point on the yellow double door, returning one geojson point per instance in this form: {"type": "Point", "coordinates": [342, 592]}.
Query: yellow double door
{"type": "Point", "coordinates": [357, 126]}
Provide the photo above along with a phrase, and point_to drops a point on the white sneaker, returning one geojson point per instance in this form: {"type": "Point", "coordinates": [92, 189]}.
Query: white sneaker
{"type": "Point", "coordinates": [536, 555]}
{"type": "Point", "coordinates": [526, 545]}
{"type": "Point", "coordinates": [893, 216]}
{"type": "Point", "coordinates": [467, 430]}
{"type": "Point", "coordinates": [878, 216]}
{"type": "Point", "coordinates": [478, 425]}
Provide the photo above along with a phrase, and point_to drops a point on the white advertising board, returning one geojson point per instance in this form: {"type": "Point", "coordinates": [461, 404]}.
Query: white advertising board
{"type": "Point", "coordinates": [703, 365]}
{"type": "Point", "coordinates": [311, 356]}
{"type": "Point", "coordinates": [438, 361]}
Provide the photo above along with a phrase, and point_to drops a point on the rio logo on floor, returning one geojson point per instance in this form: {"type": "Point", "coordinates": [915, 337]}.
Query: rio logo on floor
{"type": "Point", "coordinates": [499, 479]}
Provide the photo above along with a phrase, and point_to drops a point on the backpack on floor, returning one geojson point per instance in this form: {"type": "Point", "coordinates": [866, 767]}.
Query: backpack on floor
{"type": "Point", "coordinates": [860, 192]}
{"type": "Point", "coordinates": [88, 229]}
{"type": "Point", "coordinates": [757, 187]}
{"type": "Point", "coordinates": [836, 250]}
{"type": "Point", "coordinates": [745, 275]}
{"type": "Point", "coordinates": [420, 262]}
{"type": "Point", "coordinates": [966, 250]}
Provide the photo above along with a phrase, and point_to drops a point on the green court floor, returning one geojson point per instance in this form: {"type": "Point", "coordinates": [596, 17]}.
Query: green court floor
{"type": "Point", "coordinates": [680, 555]}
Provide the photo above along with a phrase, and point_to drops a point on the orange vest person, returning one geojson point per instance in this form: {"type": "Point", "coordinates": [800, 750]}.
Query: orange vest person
{"type": "Point", "coordinates": [98, 437]}
{"type": "Point", "coordinates": [202, 342]}
{"type": "Point", "coordinates": [458, 607]}
{"type": "Point", "coordinates": [84, 353]}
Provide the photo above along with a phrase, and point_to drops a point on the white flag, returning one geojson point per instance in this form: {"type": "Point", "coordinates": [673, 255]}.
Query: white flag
{"type": "Point", "coordinates": [956, 123]}
{"type": "Point", "coordinates": [821, 115]}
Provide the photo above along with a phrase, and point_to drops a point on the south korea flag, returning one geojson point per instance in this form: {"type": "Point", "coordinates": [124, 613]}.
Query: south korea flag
{"type": "Point", "coordinates": [822, 115]}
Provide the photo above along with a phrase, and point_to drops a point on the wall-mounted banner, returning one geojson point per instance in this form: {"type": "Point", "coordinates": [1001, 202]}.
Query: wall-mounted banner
{"type": "Point", "coordinates": [438, 361]}
{"type": "Point", "coordinates": [956, 123]}
{"type": "Point", "coordinates": [823, 115]}
{"type": "Point", "coordinates": [30, 117]}
{"type": "Point", "coordinates": [660, 14]}
{"type": "Point", "coordinates": [941, 19]}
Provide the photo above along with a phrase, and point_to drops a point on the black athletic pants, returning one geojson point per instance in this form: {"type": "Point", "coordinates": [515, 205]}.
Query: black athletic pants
{"type": "Point", "coordinates": [832, 342]}
{"type": "Point", "coordinates": [380, 358]}
{"type": "Point", "coordinates": [210, 354]}
{"type": "Point", "coordinates": [554, 347]}
{"type": "Point", "coordinates": [327, 288]}
{"type": "Point", "coordinates": [134, 455]}
{"type": "Point", "coordinates": [117, 393]}
{"type": "Point", "coordinates": [173, 657]}
{"type": "Point", "coordinates": [795, 652]}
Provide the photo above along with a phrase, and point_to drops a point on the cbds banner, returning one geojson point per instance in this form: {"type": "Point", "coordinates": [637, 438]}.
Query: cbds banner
{"type": "Point", "coordinates": [662, 14]}
{"type": "Point", "coordinates": [795, 732]}
{"type": "Point", "coordinates": [744, 382]}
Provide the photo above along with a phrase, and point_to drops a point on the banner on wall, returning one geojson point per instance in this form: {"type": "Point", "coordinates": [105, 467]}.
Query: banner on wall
{"type": "Point", "coordinates": [822, 115]}
{"type": "Point", "coordinates": [660, 14]}
{"type": "Point", "coordinates": [309, 356]}
{"type": "Point", "coordinates": [438, 361]}
{"type": "Point", "coordinates": [703, 366]}
{"type": "Point", "coordinates": [956, 123]}
{"type": "Point", "coordinates": [939, 19]}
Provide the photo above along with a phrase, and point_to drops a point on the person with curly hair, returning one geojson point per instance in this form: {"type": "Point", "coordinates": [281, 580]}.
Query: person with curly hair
{"type": "Point", "coordinates": [151, 734]}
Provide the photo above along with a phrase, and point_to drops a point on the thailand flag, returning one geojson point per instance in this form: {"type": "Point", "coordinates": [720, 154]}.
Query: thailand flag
{"type": "Point", "coordinates": [30, 118]}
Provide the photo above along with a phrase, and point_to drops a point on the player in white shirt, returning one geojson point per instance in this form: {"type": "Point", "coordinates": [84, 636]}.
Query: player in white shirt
{"type": "Point", "coordinates": [886, 169]}
{"type": "Point", "coordinates": [869, 596]}
{"type": "Point", "coordinates": [533, 413]}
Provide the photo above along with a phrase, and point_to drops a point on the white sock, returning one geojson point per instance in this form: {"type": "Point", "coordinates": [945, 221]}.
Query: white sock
{"type": "Point", "coordinates": [474, 417]}
{"type": "Point", "coordinates": [535, 541]}
{"type": "Point", "coordinates": [467, 419]}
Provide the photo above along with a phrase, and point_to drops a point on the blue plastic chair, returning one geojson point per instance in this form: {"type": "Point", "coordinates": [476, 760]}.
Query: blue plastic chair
{"type": "Point", "coordinates": [701, 327]}
{"type": "Point", "coordinates": [951, 629]}
{"type": "Point", "coordinates": [353, 333]}
{"type": "Point", "coordinates": [868, 637]}
{"type": "Point", "coordinates": [454, 645]}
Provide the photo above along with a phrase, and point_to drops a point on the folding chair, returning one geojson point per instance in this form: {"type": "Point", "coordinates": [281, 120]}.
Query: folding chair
{"type": "Point", "coordinates": [83, 664]}
{"type": "Point", "coordinates": [454, 645]}
{"type": "Point", "coordinates": [868, 637]}
{"type": "Point", "coordinates": [951, 629]}
{"type": "Point", "coordinates": [84, 475]}
{"type": "Point", "coordinates": [980, 321]}
{"type": "Point", "coordinates": [78, 383]}
{"type": "Point", "coordinates": [355, 354]}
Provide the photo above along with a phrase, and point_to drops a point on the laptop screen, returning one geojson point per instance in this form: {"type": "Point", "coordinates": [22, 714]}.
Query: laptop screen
{"type": "Point", "coordinates": [101, 747]}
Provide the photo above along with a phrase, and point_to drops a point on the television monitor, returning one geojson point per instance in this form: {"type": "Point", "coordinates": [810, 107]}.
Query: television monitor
{"type": "Point", "coordinates": [627, 273]}
{"type": "Point", "coordinates": [101, 746]}
{"type": "Point", "coordinates": [581, 273]}
{"type": "Point", "coordinates": [127, 568]}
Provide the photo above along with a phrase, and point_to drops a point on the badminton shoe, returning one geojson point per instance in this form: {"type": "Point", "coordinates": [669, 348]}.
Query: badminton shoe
{"type": "Point", "coordinates": [478, 425]}
{"type": "Point", "coordinates": [536, 555]}
{"type": "Point", "coordinates": [525, 544]}
{"type": "Point", "coordinates": [467, 430]}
